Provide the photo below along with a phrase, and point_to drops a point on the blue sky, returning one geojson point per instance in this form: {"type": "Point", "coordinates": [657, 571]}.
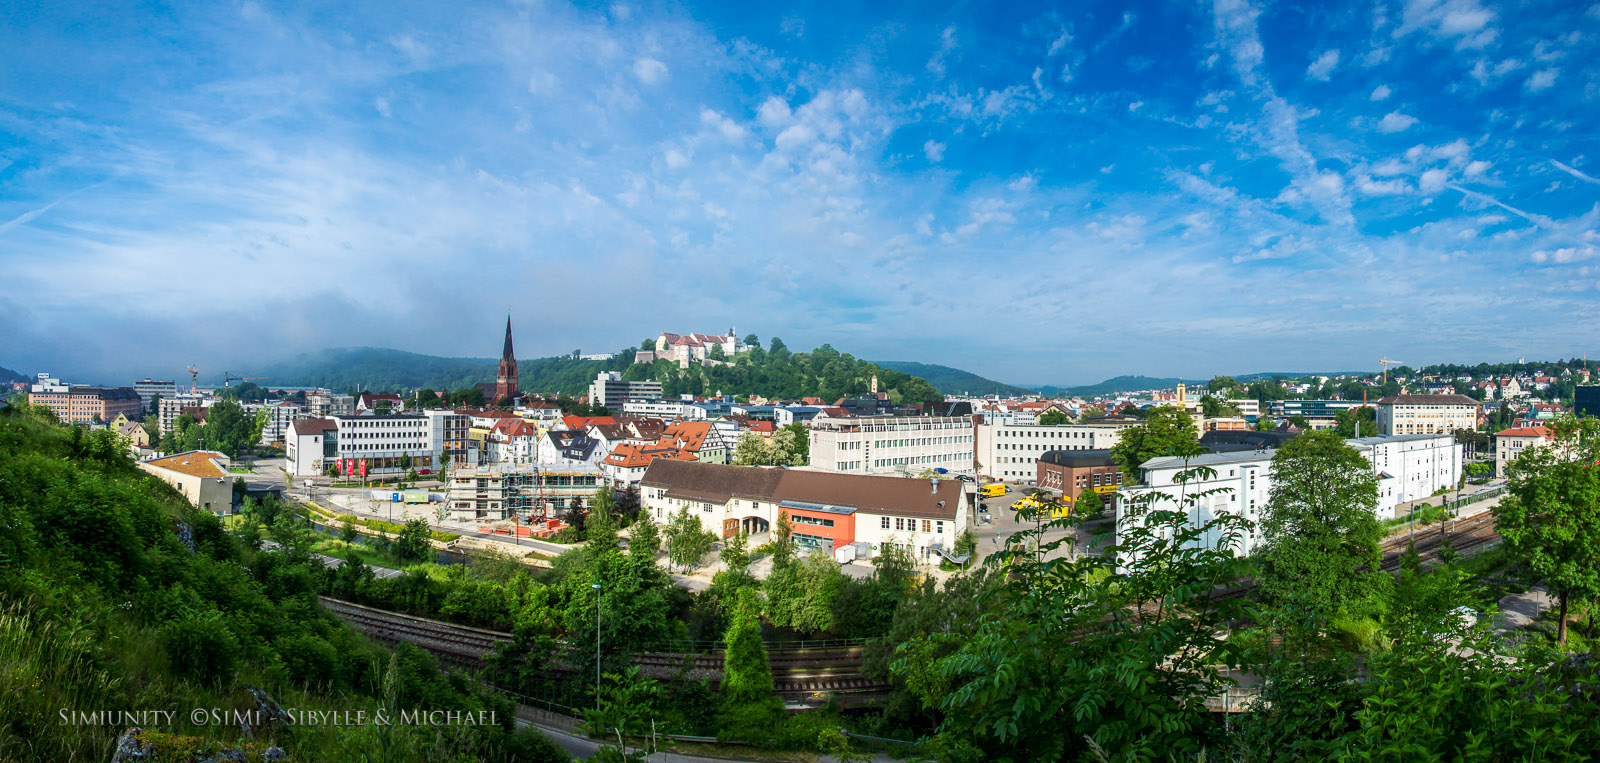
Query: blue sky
{"type": "Point", "coordinates": [1037, 193]}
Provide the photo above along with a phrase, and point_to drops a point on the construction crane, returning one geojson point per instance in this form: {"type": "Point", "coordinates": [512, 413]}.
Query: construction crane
{"type": "Point", "coordinates": [1386, 363]}
{"type": "Point", "coordinates": [228, 378]}
{"type": "Point", "coordinates": [194, 380]}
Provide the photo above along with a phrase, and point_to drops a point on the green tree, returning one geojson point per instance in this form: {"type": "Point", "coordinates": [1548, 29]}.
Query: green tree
{"type": "Point", "coordinates": [1319, 530]}
{"type": "Point", "coordinates": [748, 705]}
{"type": "Point", "coordinates": [644, 537]}
{"type": "Point", "coordinates": [1109, 654]}
{"type": "Point", "coordinates": [1345, 422]}
{"type": "Point", "coordinates": [1053, 417]}
{"type": "Point", "coordinates": [1169, 431]}
{"type": "Point", "coordinates": [735, 558]}
{"type": "Point", "coordinates": [800, 451]}
{"type": "Point", "coordinates": [1221, 384]}
{"type": "Point", "coordinates": [414, 544]}
{"type": "Point", "coordinates": [687, 543]}
{"type": "Point", "coordinates": [1550, 516]}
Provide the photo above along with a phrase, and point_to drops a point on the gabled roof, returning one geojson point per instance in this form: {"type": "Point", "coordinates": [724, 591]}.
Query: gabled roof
{"type": "Point", "coordinates": [580, 423]}
{"type": "Point", "coordinates": [312, 426]}
{"type": "Point", "coordinates": [687, 435]}
{"type": "Point", "coordinates": [1536, 431]}
{"type": "Point", "coordinates": [513, 427]}
{"type": "Point", "coordinates": [717, 483]}
{"type": "Point", "coordinates": [632, 455]}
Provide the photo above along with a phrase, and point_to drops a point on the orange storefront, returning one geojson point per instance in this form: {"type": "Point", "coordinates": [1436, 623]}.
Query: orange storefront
{"type": "Point", "coordinates": [815, 525]}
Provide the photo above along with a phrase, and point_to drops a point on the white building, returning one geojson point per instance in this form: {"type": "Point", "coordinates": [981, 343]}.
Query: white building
{"type": "Point", "coordinates": [1411, 467]}
{"type": "Point", "coordinates": [279, 416]}
{"type": "Point", "coordinates": [1008, 450]}
{"type": "Point", "coordinates": [170, 408]}
{"type": "Point", "coordinates": [686, 348]}
{"type": "Point", "coordinates": [387, 444]}
{"type": "Point", "coordinates": [149, 388]}
{"type": "Point", "coordinates": [1510, 443]}
{"type": "Point", "coordinates": [310, 446]}
{"type": "Point", "coordinates": [323, 402]}
{"type": "Point", "coordinates": [892, 444]}
{"type": "Point", "coordinates": [609, 390]}
{"type": "Point", "coordinates": [826, 511]}
{"type": "Point", "coordinates": [666, 409]}
{"type": "Point", "coordinates": [1427, 414]}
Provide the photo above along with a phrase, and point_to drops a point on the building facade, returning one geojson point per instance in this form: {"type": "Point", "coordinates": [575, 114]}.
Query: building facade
{"type": "Point", "coordinates": [523, 492]}
{"type": "Point", "coordinates": [1427, 414]}
{"type": "Point", "coordinates": [891, 444]}
{"type": "Point", "coordinates": [322, 403]}
{"type": "Point", "coordinates": [1318, 413]}
{"type": "Point", "coordinates": [684, 349]}
{"type": "Point", "coordinates": [609, 390]}
{"type": "Point", "coordinates": [150, 388]}
{"type": "Point", "coordinates": [826, 511]}
{"type": "Point", "coordinates": [1510, 443]}
{"type": "Point", "coordinates": [200, 475]}
{"type": "Point", "coordinates": [1411, 467]}
{"type": "Point", "coordinates": [1010, 451]}
{"type": "Point", "coordinates": [1071, 472]}
{"type": "Point", "coordinates": [85, 405]}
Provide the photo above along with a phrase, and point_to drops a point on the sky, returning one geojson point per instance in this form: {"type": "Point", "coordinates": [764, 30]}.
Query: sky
{"type": "Point", "coordinates": [1041, 194]}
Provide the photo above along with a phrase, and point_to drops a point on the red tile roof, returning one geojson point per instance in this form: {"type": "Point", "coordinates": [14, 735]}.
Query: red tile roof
{"type": "Point", "coordinates": [580, 423]}
{"type": "Point", "coordinates": [1538, 431]}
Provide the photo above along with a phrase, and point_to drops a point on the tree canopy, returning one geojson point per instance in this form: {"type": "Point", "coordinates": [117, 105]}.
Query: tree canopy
{"type": "Point", "coordinates": [1168, 431]}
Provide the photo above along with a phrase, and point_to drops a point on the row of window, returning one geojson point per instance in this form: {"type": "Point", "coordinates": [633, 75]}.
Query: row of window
{"type": "Point", "coordinates": [901, 524]}
{"type": "Point", "coordinates": [910, 460]}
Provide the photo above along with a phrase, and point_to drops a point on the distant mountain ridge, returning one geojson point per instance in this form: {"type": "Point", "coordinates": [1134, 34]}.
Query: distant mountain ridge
{"type": "Point", "coordinates": [8, 375]}
{"type": "Point", "coordinates": [1119, 384]}
{"type": "Point", "coordinates": [953, 381]}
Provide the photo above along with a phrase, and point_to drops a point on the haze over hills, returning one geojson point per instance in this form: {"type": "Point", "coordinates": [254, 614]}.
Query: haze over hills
{"type": "Point", "coordinates": [954, 381]}
{"type": "Point", "coordinates": [8, 375]}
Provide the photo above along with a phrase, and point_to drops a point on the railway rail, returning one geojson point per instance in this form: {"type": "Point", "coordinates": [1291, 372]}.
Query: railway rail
{"type": "Point", "coordinates": [830, 670]}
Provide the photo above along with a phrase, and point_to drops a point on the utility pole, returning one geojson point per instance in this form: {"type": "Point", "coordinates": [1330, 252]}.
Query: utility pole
{"type": "Point", "coordinates": [597, 595]}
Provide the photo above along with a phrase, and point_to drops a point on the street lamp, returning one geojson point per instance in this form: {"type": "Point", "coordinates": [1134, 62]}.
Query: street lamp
{"type": "Point", "coordinates": [597, 594]}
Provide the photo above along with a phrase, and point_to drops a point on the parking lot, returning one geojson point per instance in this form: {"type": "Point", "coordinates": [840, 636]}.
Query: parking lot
{"type": "Point", "coordinates": [1003, 521]}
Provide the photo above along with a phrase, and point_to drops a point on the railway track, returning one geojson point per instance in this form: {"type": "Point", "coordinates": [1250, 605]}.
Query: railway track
{"type": "Point", "coordinates": [834, 670]}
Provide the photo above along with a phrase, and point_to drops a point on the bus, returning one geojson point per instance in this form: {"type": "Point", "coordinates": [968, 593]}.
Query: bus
{"type": "Point", "coordinates": [990, 491]}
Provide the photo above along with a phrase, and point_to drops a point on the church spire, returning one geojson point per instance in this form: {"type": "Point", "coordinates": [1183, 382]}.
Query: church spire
{"type": "Point", "coordinates": [506, 353]}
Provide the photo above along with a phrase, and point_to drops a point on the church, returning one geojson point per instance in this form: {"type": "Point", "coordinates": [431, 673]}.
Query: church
{"type": "Point", "coordinates": [503, 392]}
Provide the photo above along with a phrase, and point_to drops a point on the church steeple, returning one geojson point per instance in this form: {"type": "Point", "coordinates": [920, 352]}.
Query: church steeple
{"type": "Point", "coordinates": [505, 382]}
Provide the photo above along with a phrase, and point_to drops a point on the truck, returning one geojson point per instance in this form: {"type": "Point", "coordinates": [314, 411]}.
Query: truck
{"type": "Point", "coordinates": [991, 491]}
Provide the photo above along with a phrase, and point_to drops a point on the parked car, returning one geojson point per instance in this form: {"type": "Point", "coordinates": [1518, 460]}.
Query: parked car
{"type": "Point", "coordinates": [424, 471]}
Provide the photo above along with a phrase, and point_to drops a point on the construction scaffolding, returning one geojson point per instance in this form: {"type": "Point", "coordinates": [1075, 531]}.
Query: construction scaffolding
{"type": "Point", "coordinates": [527, 493]}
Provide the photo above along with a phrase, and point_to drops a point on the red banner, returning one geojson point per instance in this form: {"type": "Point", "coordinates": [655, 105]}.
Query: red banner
{"type": "Point", "coordinates": [363, 467]}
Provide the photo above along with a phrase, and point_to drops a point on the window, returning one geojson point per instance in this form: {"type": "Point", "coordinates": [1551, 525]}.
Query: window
{"type": "Point", "coordinates": [941, 528]}
{"type": "Point", "coordinates": [899, 523]}
{"type": "Point", "coordinates": [885, 523]}
{"type": "Point", "coordinates": [926, 525]}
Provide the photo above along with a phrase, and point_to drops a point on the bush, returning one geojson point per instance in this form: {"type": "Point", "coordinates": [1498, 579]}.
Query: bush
{"type": "Point", "coordinates": [201, 647]}
{"type": "Point", "coordinates": [309, 659]}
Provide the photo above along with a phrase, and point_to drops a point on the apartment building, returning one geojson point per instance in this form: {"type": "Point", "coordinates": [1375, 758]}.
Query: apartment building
{"type": "Point", "coordinates": [170, 408]}
{"type": "Point", "coordinates": [310, 445]}
{"type": "Point", "coordinates": [386, 444]}
{"type": "Point", "coordinates": [666, 409]}
{"type": "Point", "coordinates": [1427, 414]}
{"type": "Point", "coordinates": [279, 416]}
{"type": "Point", "coordinates": [84, 405]}
{"type": "Point", "coordinates": [827, 511]}
{"type": "Point", "coordinates": [322, 403]}
{"type": "Point", "coordinates": [1510, 443]}
{"type": "Point", "coordinates": [609, 390]}
{"type": "Point", "coordinates": [892, 444]}
{"type": "Point", "coordinates": [1010, 450]}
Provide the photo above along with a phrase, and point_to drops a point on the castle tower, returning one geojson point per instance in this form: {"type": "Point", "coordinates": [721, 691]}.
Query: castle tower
{"type": "Point", "coordinates": [505, 382]}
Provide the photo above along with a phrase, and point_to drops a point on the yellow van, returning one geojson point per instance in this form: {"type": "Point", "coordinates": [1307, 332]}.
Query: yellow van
{"type": "Point", "coordinates": [990, 491]}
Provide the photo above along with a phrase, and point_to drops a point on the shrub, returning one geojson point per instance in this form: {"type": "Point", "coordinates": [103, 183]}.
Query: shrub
{"type": "Point", "coordinates": [201, 647]}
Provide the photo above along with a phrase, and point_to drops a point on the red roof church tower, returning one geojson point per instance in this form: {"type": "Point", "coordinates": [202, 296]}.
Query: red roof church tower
{"type": "Point", "coordinates": [505, 382]}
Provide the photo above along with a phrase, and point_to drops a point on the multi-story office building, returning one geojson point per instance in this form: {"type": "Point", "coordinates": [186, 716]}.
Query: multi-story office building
{"type": "Point", "coordinates": [1010, 451]}
{"type": "Point", "coordinates": [667, 409]}
{"type": "Point", "coordinates": [1319, 413]}
{"type": "Point", "coordinates": [1427, 414]}
{"type": "Point", "coordinates": [1586, 401]}
{"type": "Point", "coordinates": [1411, 467]}
{"type": "Point", "coordinates": [149, 388]}
{"type": "Point", "coordinates": [84, 405]}
{"type": "Point", "coordinates": [826, 511]}
{"type": "Point", "coordinates": [279, 416]}
{"type": "Point", "coordinates": [609, 390]}
{"type": "Point", "coordinates": [892, 444]}
{"type": "Point", "coordinates": [387, 444]}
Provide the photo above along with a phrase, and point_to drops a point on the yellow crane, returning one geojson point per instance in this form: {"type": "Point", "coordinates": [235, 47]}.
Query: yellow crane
{"type": "Point", "coordinates": [194, 380]}
{"type": "Point", "coordinates": [1386, 363]}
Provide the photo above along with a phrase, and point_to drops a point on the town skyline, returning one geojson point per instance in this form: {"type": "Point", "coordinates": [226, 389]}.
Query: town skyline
{"type": "Point", "coordinates": [1049, 197]}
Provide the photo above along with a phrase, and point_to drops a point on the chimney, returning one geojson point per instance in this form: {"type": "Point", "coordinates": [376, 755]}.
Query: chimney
{"type": "Point", "coordinates": [934, 481]}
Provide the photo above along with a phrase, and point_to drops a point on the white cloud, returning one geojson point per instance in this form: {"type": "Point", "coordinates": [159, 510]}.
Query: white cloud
{"type": "Point", "coordinates": [1059, 43]}
{"type": "Point", "coordinates": [1023, 184]}
{"type": "Point", "coordinates": [676, 159]}
{"type": "Point", "coordinates": [649, 70]}
{"type": "Point", "coordinates": [934, 150]}
{"type": "Point", "coordinates": [1466, 22]}
{"type": "Point", "coordinates": [1573, 171]}
{"type": "Point", "coordinates": [382, 105]}
{"type": "Point", "coordinates": [1476, 168]}
{"type": "Point", "coordinates": [717, 121]}
{"type": "Point", "coordinates": [1541, 80]}
{"type": "Point", "coordinates": [774, 112]}
{"type": "Point", "coordinates": [1367, 186]}
{"type": "Point", "coordinates": [541, 82]}
{"type": "Point", "coordinates": [947, 43]}
{"type": "Point", "coordinates": [1135, 106]}
{"type": "Point", "coordinates": [796, 137]}
{"type": "Point", "coordinates": [1381, 93]}
{"type": "Point", "coordinates": [1323, 66]}
{"type": "Point", "coordinates": [1432, 181]}
{"type": "Point", "coordinates": [1394, 121]}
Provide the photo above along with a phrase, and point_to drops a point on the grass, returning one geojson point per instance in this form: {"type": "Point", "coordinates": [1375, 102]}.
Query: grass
{"type": "Point", "coordinates": [369, 557]}
{"type": "Point", "coordinates": [330, 517]}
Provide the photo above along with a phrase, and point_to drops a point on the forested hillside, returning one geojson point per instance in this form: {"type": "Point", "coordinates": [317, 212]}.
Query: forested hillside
{"type": "Point", "coordinates": [953, 381]}
{"type": "Point", "coordinates": [773, 372]}
{"type": "Point", "coordinates": [8, 375]}
{"type": "Point", "coordinates": [116, 594]}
